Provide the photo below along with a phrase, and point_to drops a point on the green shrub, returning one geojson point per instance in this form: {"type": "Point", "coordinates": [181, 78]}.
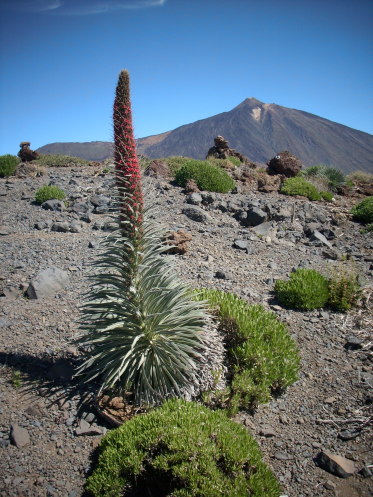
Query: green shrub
{"type": "Point", "coordinates": [263, 357]}
{"type": "Point", "coordinates": [58, 160]}
{"type": "Point", "coordinates": [48, 193]}
{"type": "Point", "coordinates": [306, 289]}
{"type": "Point", "coordinates": [8, 164]}
{"type": "Point", "coordinates": [208, 177]}
{"type": "Point", "coordinates": [299, 186]}
{"type": "Point", "coordinates": [176, 162]}
{"type": "Point", "coordinates": [363, 211]}
{"type": "Point", "coordinates": [327, 196]}
{"type": "Point", "coordinates": [181, 450]}
{"type": "Point", "coordinates": [334, 176]}
{"type": "Point", "coordinates": [344, 290]}
{"type": "Point", "coordinates": [234, 160]}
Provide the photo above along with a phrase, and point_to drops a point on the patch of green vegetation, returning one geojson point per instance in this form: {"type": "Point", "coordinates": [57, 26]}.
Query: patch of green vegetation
{"type": "Point", "coordinates": [181, 449]}
{"type": "Point", "coordinates": [16, 379]}
{"type": "Point", "coordinates": [234, 160]}
{"type": "Point", "coordinates": [263, 357]}
{"type": "Point", "coordinates": [50, 160]}
{"type": "Point", "coordinates": [363, 211]}
{"type": "Point", "coordinates": [208, 177]}
{"type": "Point", "coordinates": [306, 289]}
{"type": "Point", "coordinates": [299, 186]}
{"type": "Point", "coordinates": [48, 193]}
{"type": "Point", "coordinates": [327, 196]}
{"type": "Point", "coordinates": [8, 165]}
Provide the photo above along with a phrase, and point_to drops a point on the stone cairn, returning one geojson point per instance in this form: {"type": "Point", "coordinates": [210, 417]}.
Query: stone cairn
{"type": "Point", "coordinates": [285, 164]}
{"type": "Point", "coordinates": [221, 150]}
{"type": "Point", "coordinates": [26, 154]}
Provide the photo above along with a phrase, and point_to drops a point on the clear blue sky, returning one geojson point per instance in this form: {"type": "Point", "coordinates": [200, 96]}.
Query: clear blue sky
{"type": "Point", "coordinates": [188, 60]}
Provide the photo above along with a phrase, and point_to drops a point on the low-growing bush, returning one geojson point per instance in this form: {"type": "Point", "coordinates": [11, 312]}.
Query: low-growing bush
{"type": "Point", "coordinates": [58, 160]}
{"type": "Point", "coordinates": [181, 449]}
{"type": "Point", "coordinates": [48, 193]}
{"type": "Point", "coordinates": [344, 289]}
{"type": "Point", "coordinates": [8, 165]}
{"type": "Point", "coordinates": [234, 160]}
{"type": "Point", "coordinates": [263, 357]}
{"type": "Point", "coordinates": [306, 289]}
{"type": "Point", "coordinates": [363, 211]}
{"type": "Point", "coordinates": [299, 186]}
{"type": "Point", "coordinates": [208, 177]}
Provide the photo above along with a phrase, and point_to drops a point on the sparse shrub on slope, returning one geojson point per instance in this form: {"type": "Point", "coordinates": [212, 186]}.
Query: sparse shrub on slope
{"type": "Point", "coordinates": [208, 177]}
{"type": "Point", "coordinates": [334, 177]}
{"type": "Point", "coordinates": [48, 193]}
{"type": "Point", "coordinates": [181, 450]}
{"type": "Point", "coordinates": [300, 186]}
{"type": "Point", "coordinates": [344, 290]}
{"type": "Point", "coordinates": [306, 289]}
{"type": "Point", "coordinates": [263, 357]}
{"type": "Point", "coordinates": [8, 165]}
{"type": "Point", "coordinates": [363, 211]}
{"type": "Point", "coordinates": [176, 162]}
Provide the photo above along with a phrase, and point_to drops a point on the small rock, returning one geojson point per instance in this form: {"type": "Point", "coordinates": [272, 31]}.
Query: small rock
{"type": "Point", "coordinates": [197, 214]}
{"type": "Point", "coordinates": [282, 456]}
{"type": "Point", "coordinates": [53, 205]}
{"type": "Point", "coordinates": [47, 283]}
{"type": "Point", "coordinates": [335, 464]}
{"type": "Point", "coordinates": [19, 436]}
{"type": "Point", "coordinates": [348, 434]}
{"type": "Point", "coordinates": [267, 431]}
{"type": "Point", "coordinates": [353, 343]}
{"type": "Point", "coordinates": [61, 227]}
{"type": "Point", "coordinates": [241, 244]}
{"type": "Point", "coordinates": [194, 198]}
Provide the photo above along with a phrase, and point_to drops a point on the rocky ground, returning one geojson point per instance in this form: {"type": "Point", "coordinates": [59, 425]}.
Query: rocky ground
{"type": "Point", "coordinates": [48, 434]}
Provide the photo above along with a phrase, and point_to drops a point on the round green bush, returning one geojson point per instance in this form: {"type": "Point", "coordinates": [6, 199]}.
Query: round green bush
{"type": "Point", "coordinates": [8, 164]}
{"type": "Point", "coordinates": [263, 357]}
{"type": "Point", "coordinates": [306, 289]}
{"type": "Point", "coordinates": [181, 449]}
{"type": "Point", "coordinates": [48, 193]}
{"type": "Point", "coordinates": [334, 176]}
{"type": "Point", "coordinates": [344, 289]}
{"type": "Point", "coordinates": [363, 211]}
{"type": "Point", "coordinates": [208, 177]}
{"type": "Point", "coordinates": [299, 186]}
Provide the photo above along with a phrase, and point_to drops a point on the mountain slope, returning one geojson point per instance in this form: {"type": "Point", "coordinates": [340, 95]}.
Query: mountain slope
{"type": "Point", "coordinates": [257, 130]}
{"type": "Point", "coordinates": [261, 130]}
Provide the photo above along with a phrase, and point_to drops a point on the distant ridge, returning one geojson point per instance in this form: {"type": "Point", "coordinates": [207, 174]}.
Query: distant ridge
{"type": "Point", "coordinates": [257, 130]}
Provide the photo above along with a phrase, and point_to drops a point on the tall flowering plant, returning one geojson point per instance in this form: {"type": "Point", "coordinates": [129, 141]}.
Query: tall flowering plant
{"type": "Point", "coordinates": [141, 330]}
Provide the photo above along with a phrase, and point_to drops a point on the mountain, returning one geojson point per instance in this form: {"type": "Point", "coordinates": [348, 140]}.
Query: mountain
{"type": "Point", "coordinates": [257, 130]}
{"type": "Point", "coordinates": [94, 151]}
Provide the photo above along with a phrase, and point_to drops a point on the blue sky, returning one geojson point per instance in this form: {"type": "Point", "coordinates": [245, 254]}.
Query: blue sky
{"type": "Point", "coordinates": [188, 60]}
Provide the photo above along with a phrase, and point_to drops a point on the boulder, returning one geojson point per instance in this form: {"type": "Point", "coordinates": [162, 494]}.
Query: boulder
{"type": "Point", "coordinates": [221, 150]}
{"type": "Point", "coordinates": [26, 154]}
{"type": "Point", "coordinates": [47, 283]}
{"type": "Point", "coordinates": [285, 164]}
{"type": "Point", "coordinates": [53, 205]}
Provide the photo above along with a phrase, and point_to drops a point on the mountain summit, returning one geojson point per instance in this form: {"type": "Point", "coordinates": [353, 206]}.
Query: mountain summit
{"type": "Point", "coordinates": [255, 129]}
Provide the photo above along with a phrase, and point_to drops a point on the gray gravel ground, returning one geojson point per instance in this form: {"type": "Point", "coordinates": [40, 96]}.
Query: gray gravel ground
{"type": "Point", "coordinates": [47, 435]}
